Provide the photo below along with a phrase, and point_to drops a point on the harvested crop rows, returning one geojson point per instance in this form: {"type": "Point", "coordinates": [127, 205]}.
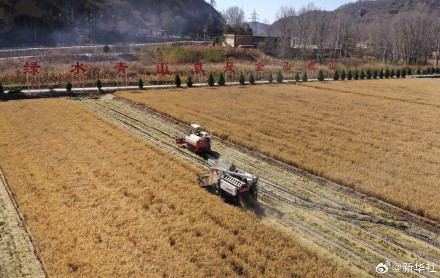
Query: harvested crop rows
{"type": "Point", "coordinates": [378, 137]}
{"type": "Point", "coordinates": [101, 202]}
{"type": "Point", "coordinates": [347, 226]}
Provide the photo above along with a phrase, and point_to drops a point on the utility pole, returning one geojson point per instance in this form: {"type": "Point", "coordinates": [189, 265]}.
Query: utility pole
{"type": "Point", "coordinates": [35, 33]}
{"type": "Point", "coordinates": [337, 38]}
{"type": "Point", "coordinates": [438, 52]}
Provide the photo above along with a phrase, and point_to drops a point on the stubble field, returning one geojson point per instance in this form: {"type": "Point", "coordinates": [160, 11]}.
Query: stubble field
{"type": "Point", "coordinates": [380, 137]}
{"type": "Point", "coordinates": [100, 202]}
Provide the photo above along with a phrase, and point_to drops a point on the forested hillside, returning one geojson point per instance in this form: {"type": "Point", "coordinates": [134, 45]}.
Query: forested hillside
{"type": "Point", "coordinates": [382, 10]}
{"type": "Point", "coordinates": [395, 31]}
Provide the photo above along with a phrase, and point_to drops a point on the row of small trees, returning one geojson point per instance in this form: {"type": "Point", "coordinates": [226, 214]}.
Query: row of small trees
{"type": "Point", "coordinates": [350, 75]}
{"type": "Point", "coordinates": [428, 71]}
{"type": "Point", "coordinates": [367, 74]}
{"type": "Point", "coordinates": [242, 80]}
{"type": "Point", "coordinates": [337, 75]}
{"type": "Point", "coordinates": [343, 75]}
{"type": "Point", "coordinates": [211, 81]}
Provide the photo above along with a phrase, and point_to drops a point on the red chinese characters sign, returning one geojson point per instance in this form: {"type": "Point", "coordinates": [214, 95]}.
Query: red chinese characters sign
{"type": "Point", "coordinates": [198, 67]}
{"type": "Point", "coordinates": [332, 65]}
{"type": "Point", "coordinates": [162, 69]}
{"type": "Point", "coordinates": [31, 68]}
{"type": "Point", "coordinates": [78, 68]}
{"type": "Point", "coordinates": [286, 66]}
{"type": "Point", "coordinates": [121, 67]}
{"type": "Point", "coordinates": [229, 67]}
{"type": "Point", "coordinates": [311, 65]}
{"type": "Point", "coordinates": [259, 67]}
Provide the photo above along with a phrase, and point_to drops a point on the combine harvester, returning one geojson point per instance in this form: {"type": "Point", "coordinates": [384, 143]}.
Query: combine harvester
{"type": "Point", "coordinates": [197, 140]}
{"type": "Point", "coordinates": [233, 185]}
{"type": "Point", "coordinates": [224, 179]}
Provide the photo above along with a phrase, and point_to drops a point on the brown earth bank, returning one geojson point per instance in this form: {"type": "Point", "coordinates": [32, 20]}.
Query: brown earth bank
{"type": "Point", "coordinates": [380, 137]}
{"type": "Point", "coordinates": [101, 202]}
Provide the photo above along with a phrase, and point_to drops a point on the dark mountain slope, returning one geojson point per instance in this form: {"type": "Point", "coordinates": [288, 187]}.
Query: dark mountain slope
{"type": "Point", "coordinates": [48, 22]}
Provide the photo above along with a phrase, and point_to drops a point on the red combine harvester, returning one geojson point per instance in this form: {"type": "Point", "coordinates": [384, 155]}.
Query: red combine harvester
{"type": "Point", "coordinates": [197, 140]}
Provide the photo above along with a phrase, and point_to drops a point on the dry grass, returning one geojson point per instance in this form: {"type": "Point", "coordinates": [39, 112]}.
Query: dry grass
{"type": "Point", "coordinates": [102, 203]}
{"type": "Point", "coordinates": [60, 74]}
{"type": "Point", "coordinates": [381, 137]}
{"type": "Point", "coordinates": [56, 65]}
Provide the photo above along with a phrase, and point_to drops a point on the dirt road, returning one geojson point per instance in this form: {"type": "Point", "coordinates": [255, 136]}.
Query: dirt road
{"type": "Point", "coordinates": [17, 256]}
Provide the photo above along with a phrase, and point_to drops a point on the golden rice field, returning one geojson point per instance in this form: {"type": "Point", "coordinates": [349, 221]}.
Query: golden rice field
{"type": "Point", "coordinates": [100, 202]}
{"type": "Point", "coordinates": [381, 137]}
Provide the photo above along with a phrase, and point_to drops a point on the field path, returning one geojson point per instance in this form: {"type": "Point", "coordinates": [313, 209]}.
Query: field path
{"type": "Point", "coordinates": [17, 257]}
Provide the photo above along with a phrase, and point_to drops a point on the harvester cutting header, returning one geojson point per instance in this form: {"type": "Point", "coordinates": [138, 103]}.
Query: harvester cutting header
{"type": "Point", "coordinates": [225, 180]}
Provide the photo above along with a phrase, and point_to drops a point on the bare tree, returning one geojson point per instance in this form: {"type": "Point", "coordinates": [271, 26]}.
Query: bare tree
{"type": "Point", "coordinates": [384, 41]}
{"type": "Point", "coordinates": [286, 26]}
{"type": "Point", "coordinates": [345, 34]}
{"type": "Point", "coordinates": [416, 37]}
{"type": "Point", "coordinates": [234, 16]}
{"type": "Point", "coordinates": [321, 31]}
{"type": "Point", "coordinates": [437, 38]}
{"type": "Point", "coordinates": [303, 25]}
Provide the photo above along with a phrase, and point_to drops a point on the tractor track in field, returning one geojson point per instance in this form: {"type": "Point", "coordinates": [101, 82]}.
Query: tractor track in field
{"type": "Point", "coordinates": [350, 227]}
